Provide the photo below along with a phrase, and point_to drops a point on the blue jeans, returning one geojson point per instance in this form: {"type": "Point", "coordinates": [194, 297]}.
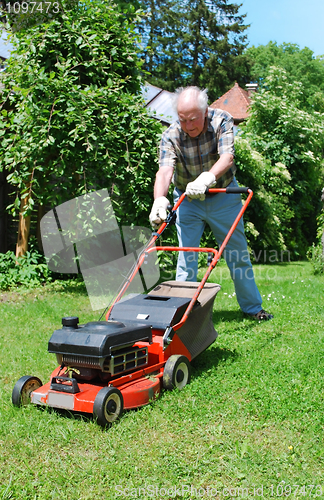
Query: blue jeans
{"type": "Point", "coordinates": [219, 212]}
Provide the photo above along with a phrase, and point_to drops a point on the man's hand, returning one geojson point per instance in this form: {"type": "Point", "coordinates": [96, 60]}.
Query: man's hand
{"type": "Point", "coordinates": [197, 188]}
{"type": "Point", "coordinates": [159, 211]}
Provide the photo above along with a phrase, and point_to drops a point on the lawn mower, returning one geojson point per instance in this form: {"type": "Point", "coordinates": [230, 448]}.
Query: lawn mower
{"type": "Point", "coordinates": [145, 343]}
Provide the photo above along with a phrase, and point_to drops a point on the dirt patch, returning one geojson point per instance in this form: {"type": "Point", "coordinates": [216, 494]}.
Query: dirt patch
{"type": "Point", "coordinates": [11, 297]}
{"type": "Point", "coordinates": [14, 297]}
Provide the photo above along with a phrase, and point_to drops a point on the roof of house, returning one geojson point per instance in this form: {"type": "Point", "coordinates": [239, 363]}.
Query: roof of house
{"type": "Point", "coordinates": [236, 101]}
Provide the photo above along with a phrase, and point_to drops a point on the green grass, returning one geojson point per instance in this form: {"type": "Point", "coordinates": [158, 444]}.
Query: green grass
{"type": "Point", "coordinates": [252, 416]}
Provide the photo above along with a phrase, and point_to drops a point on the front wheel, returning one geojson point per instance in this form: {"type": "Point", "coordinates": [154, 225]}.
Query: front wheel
{"type": "Point", "coordinates": [23, 389]}
{"type": "Point", "coordinates": [108, 406]}
{"type": "Point", "coordinates": [176, 372]}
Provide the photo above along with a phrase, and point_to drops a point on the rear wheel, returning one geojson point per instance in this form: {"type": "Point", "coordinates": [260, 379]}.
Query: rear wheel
{"type": "Point", "coordinates": [108, 406]}
{"type": "Point", "coordinates": [23, 389]}
{"type": "Point", "coordinates": [176, 372]}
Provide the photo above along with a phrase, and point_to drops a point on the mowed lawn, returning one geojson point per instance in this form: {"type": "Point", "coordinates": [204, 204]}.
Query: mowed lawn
{"type": "Point", "coordinates": [249, 425]}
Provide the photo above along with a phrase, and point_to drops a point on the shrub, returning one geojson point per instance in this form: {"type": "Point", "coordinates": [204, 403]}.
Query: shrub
{"type": "Point", "coordinates": [28, 271]}
{"type": "Point", "coordinates": [315, 253]}
{"type": "Point", "coordinates": [289, 139]}
{"type": "Point", "coordinates": [267, 218]}
{"type": "Point", "coordinates": [316, 257]}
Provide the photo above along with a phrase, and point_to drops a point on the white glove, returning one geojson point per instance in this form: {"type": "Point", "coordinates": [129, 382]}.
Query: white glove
{"type": "Point", "coordinates": [197, 188]}
{"type": "Point", "coordinates": [159, 211]}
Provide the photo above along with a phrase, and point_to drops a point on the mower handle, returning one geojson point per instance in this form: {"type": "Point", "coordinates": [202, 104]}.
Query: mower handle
{"type": "Point", "coordinates": [228, 190]}
{"type": "Point", "coordinates": [170, 220]}
{"type": "Point", "coordinates": [172, 210]}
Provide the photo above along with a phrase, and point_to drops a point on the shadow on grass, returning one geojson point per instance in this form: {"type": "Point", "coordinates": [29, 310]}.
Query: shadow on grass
{"type": "Point", "coordinates": [66, 414]}
{"type": "Point", "coordinates": [72, 286]}
{"type": "Point", "coordinates": [211, 359]}
{"type": "Point", "coordinates": [228, 316]}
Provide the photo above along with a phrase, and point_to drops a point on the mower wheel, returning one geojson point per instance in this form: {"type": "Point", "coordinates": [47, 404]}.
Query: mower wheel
{"type": "Point", "coordinates": [176, 372]}
{"type": "Point", "coordinates": [108, 406]}
{"type": "Point", "coordinates": [23, 389]}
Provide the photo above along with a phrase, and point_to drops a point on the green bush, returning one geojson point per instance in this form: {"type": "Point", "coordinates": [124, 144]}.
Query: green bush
{"type": "Point", "coordinates": [73, 118]}
{"type": "Point", "coordinates": [316, 257]}
{"type": "Point", "coordinates": [268, 215]}
{"type": "Point", "coordinates": [28, 271]}
{"type": "Point", "coordinates": [291, 139]}
{"type": "Point", "coordinates": [315, 253]}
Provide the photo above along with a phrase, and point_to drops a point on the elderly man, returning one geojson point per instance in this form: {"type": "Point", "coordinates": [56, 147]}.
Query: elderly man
{"type": "Point", "coordinates": [196, 153]}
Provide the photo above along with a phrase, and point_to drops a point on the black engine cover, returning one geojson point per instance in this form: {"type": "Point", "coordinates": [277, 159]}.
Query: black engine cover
{"type": "Point", "coordinates": [98, 338]}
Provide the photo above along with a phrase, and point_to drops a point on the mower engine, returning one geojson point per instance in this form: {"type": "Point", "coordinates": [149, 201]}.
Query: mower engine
{"type": "Point", "coordinates": [100, 348]}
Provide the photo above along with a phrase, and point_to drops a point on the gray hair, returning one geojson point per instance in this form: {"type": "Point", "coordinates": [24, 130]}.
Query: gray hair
{"type": "Point", "coordinates": [200, 95]}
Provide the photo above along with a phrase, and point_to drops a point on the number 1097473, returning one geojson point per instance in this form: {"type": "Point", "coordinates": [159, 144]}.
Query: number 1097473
{"type": "Point", "coordinates": [32, 7]}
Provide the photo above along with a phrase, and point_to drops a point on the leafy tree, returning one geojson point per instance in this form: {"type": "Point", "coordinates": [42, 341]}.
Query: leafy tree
{"type": "Point", "coordinates": [300, 65]}
{"type": "Point", "coordinates": [289, 136]}
{"type": "Point", "coordinates": [72, 117]}
{"type": "Point", "coordinates": [194, 43]}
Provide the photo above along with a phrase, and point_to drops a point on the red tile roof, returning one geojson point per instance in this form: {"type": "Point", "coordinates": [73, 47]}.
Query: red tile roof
{"type": "Point", "coordinates": [236, 101]}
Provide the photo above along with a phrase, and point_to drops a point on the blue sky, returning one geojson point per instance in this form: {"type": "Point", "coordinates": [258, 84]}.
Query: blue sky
{"type": "Point", "coordinates": [3, 46]}
{"type": "Point", "coordinates": [290, 21]}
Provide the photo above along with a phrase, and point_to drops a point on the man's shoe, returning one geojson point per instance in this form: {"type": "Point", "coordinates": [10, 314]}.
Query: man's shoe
{"type": "Point", "coordinates": [262, 316]}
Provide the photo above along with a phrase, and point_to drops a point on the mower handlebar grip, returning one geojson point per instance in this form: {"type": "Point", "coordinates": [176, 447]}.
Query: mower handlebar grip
{"type": "Point", "coordinates": [233, 190]}
{"type": "Point", "coordinates": [240, 190]}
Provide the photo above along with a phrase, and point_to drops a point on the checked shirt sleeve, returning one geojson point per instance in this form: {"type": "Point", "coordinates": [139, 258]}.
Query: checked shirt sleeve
{"type": "Point", "coordinates": [168, 155]}
{"type": "Point", "coordinates": [226, 136]}
{"type": "Point", "coordinates": [222, 124]}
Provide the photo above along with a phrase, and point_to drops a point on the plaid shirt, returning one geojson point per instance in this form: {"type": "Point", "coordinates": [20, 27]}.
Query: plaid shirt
{"type": "Point", "coordinates": [191, 156]}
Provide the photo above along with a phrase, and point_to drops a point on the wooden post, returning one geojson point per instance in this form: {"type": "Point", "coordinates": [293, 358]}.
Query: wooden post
{"type": "Point", "coordinates": [3, 214]}
{"type": "Point", "coordinates": [23, 229]}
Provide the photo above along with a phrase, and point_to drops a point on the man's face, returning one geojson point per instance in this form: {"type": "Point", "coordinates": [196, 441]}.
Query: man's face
{"type": "Point", "coordinates": [192, 119]}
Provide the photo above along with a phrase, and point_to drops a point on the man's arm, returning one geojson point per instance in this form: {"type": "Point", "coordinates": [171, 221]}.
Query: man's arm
{"type": "Point", "coordinates": [223, 164]}
{"type": "Point", "coordinates": [205, 180]}
{"type": "Point", "coordinates": [163, 181]}
{"type": "Point", "coordinates": [225, 144]}
{"type": "Point", "coordinates": [197, 188]}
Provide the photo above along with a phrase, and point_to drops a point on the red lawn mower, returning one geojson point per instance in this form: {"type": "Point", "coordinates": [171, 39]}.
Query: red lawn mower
{"type": "Point", "coordinates": [145, 343]}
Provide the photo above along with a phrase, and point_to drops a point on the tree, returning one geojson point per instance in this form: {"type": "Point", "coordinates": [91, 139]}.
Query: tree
{"type": "Point", "coordinates": [285, 134]}
{"type": "Point", "coordinates": [200, 42]}
{"type": "Point", "coordinates": [76, 120]}
{"type": "Point", "coordinates": [300, 65]}
{"type": "Point", "coordinates": [161, 31]}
